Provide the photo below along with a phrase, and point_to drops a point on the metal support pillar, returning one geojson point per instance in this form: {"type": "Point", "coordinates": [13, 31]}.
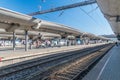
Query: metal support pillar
{"type": "Point", "coordinates": [87, 40]}
{"type": "Point", "coordinates": [82, 39]}
{"type": "Point", "coordinates": [26, 40]}
{"type": "Point", "coordinates": [14, 40]}
{"type": "Point", "coordinates": [65, 38]}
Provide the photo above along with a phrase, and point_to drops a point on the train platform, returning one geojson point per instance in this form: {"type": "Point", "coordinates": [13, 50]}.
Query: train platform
{"type": "Point", "coordinates": [108, 67]}
{"type": "Point", "coordinates": [11, 57]}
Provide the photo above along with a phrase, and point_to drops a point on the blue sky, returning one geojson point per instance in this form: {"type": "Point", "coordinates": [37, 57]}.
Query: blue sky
{"type": "Point", "coordinates": [94, 23]}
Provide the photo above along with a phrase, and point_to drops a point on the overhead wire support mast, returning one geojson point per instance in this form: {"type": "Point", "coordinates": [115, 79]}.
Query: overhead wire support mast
{"type": "Point", "coordinates": [64, 7]}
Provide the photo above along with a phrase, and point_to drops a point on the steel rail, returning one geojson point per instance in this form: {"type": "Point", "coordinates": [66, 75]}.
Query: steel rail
{"type": "Point", "coordinates": [38, 62]}
{"type": "Point", "coordinates": [38, 73]}
{"type": "Point", "coordinates": [80, 67]}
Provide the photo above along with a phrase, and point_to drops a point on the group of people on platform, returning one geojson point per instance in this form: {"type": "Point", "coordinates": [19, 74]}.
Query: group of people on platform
{"type": "Point", "coordinates": [44, 43]}
{"type": "Point", "coordinates": [52, 43]}
{"type": "Point", "coordinates": [39, 43]}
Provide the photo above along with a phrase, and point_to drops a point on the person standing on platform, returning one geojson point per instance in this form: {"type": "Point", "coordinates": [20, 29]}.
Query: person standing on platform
{"type": "Point", "coordinates": [116, 43]}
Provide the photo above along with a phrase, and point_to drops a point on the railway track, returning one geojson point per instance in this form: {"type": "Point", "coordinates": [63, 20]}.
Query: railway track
{"type": "Point", "coordinates": [78, 69]}
{"type": "Point", "coordinates": [52, 73]}
{"type": "Point", "coordinates": [44, 65]}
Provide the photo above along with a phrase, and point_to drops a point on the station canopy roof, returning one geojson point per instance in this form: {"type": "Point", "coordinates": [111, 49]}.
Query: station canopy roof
{"type": "Point", "coordinates": [20, 34]}
{"type": "Point", "coordinates": [11, 21]}
{"type": "Point", "coordinates": [111, 11]}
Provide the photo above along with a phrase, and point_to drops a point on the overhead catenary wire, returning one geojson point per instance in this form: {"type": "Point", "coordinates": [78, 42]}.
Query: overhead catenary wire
{"type": "Point", "coordinates": [85, 2]}
{"type": "Point", "coordinates": [93, 10]}
{"type": "Point", "coordinates": [91, 18]}
{"type": "Point", "coordinates": [88, 14]}
{"type": "Point", "coordinates": [61, 13]}
{"type": "Point", "coordinates": [64, 7]}
{"type": "Point", "coordinates": [43, 0]}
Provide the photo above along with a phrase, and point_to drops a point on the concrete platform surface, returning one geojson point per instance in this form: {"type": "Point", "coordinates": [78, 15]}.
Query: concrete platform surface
{"type": "Point", "coordinates": [108, 68]}
{"type": "Point", "coordinates": [11, 57]}
{"type": "Point", "coordinates": [9, 54]}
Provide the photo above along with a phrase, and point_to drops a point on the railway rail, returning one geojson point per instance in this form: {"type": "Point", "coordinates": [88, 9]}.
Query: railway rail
{"type": "Point", "coordinates": [41, 68]}
{"type": "Point", "coordinates": [74, 69]}
{"type": "Point", "coordinates": [78, 69]}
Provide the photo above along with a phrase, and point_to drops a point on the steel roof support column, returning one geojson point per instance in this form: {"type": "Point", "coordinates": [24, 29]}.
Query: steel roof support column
{"type": "Point", "coordinates": [82, 39]}
{"type": "Point", "coordinates": [31, 38]}
{"type": "Point", "coordinates": [26, 40]}
{"type": "Point", "coordinates": [96, 40]}
{"type": "Point", "coordinates": [14, 40]}
{"type": "Point", "coordinates": [64, 36]}
{"type": "Point", "coordinates": [87, 40]}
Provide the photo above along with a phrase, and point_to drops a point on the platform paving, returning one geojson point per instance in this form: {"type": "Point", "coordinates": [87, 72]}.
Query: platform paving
{"type": "Point", "coordinates": [11, 57]}
{"type": "Point", "coordinates": [108, 68]}
{"type": "Point", "coordinates": [8, 54]}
